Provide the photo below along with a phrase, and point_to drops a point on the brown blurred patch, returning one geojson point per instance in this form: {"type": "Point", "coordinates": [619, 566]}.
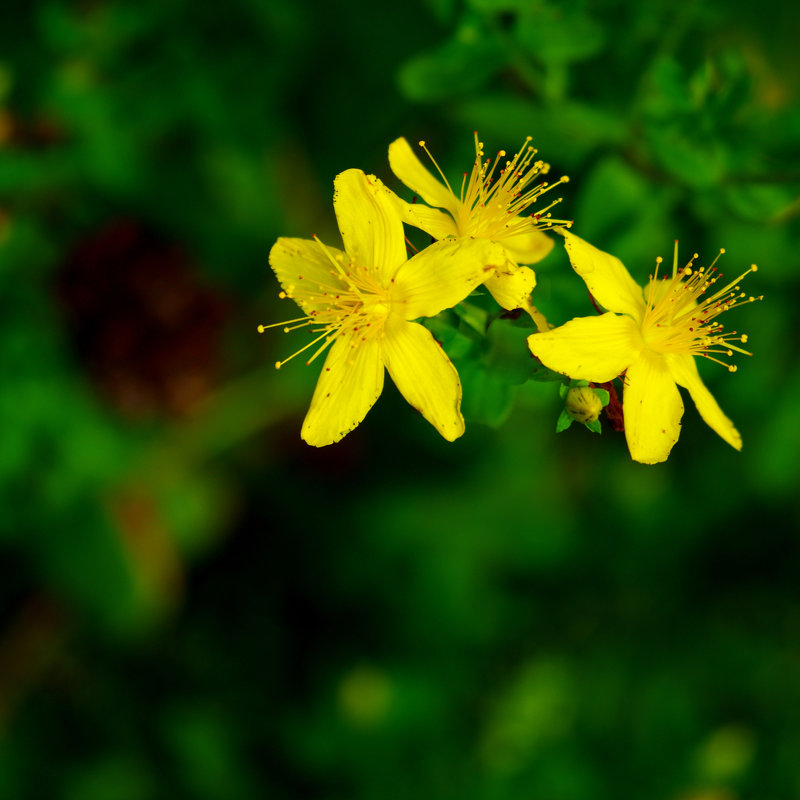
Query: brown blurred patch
{"type": "Point", "coordinates": [150, 545]}
{"type": "Point", "coordinates": [36, 133]}
{"type": "Point", "coordinates": [141, 320]}
{"type": "Point", "coordinates": [28, 648]}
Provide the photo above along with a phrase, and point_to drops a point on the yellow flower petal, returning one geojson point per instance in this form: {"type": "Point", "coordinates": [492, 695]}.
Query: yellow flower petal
{"type": "Point", "coordinates": [684, 372]}
{"type": "Point", "coordinates": [348, 386]}
{"type": "Point", "coordinates": [605, 276]}
{"type": "Point", "coordinates": [424, 375]}
{"type": "Point", "coordinates": [529, 247]}
{"type": "Point", "coordinates": [371, 228]}
{"type": "Point", "coordinates": [512, 289]}
{"type": "Point", "coordinates": [410, 170]}
{"type": "Point", "coordinates": [652, 407]}
{"type": "Point", "coordinates": [442, 275]}
{"type": "Point", "coordinates": [305, 271]}
{"type": "Point", "coordinates": [589, 348]}
{"type": "Point", "coordinates": [437, 223]}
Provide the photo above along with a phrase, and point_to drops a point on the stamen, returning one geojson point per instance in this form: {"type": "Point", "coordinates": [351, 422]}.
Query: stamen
{"type": "Point", "coordinates": [675, 261]}
{"type": "Point", "coordinates": [677, 320]}
{"type": "Point", "coordinates": [732, 284]}
{"type": "Point", "coordinates": [262, 328]}
{"type": "Point", "coordinates": [345, 275]}
{"type": "Point", "coordinates": [279, 364]}
{"type": "Point", "coordinates": [494, 195]}
{"type": "Point", "coordinates": [319, 350]}
{"type": "Point", "coordinates": [438, 168]}
{"type": "Point", "coordinates": [354, 304]}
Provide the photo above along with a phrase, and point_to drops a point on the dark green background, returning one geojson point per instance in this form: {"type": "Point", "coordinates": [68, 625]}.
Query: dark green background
{"type": "Point", "coordinates": [195, 604]}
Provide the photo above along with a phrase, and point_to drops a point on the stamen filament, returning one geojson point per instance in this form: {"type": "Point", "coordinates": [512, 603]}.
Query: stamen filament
{"type": "Point", "coordinates": [345, 276]}
{"type": "Point", "coordinates": [262, 328]}
{"type": "Point", "coordinates": [279, 364]}
{"type": "Point", "coordinates": [676, 320]}
{"type": "Point", "coordinates": [438, 168]}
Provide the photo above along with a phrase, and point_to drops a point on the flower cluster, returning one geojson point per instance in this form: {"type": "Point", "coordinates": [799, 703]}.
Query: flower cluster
{"type": "Point", "coordinates": [366, 304]}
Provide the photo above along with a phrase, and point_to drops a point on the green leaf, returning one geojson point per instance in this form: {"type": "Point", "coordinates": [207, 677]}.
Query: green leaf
{"type": "Point", "coordinates": [636, 225]}
{"type": "Point", "coordinates": [456, 343]}
{"type": "Point", "coordinates": [498, 6]}
{"type": "Point", "coordinates": [539, 372]}
{"type": "Point", "coordinates": [699, 162]}
{"type": "Point", "coordinates": [110, 776]}
{"type": "Point", "coordinates": [93, 568]}
{"type": "Point", "coordinates": [458, 67]}
{"type": "Point", "coordinates": [243, 194]}
{"type": "Point", "coordinates": [701, 83]}
{"type": "Point", "coordinates": [193, 504]}
{"type": "Point", "coordinates": [748, 242]}
{"type": "Point", "coordinates": [597, 214]}
{"type": "Point", "coordinates": [474, 316]}
{"type": "Point", "coordinates": [443, 10]}
{"type": "Point", "coordinates": [508, 354]}
{"type": "Point", "coordinates": [570, 129]}
{"type": "Point", "coordinates": [487, 398]}
{"type": "Point", "coordinates": [759, 202]}
{"type": "Point", "coordinates": [669, 92]}
{"type": "Point", "coordinates": [558, 36]}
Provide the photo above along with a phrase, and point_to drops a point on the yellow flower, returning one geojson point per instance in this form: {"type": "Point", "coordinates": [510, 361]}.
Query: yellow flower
{"type": "Point", "coordinates": [361, 302]}
{"type": "Point", "coordinates": [652, 336]}
{"type": "Point", "coordinates": [487, 207]}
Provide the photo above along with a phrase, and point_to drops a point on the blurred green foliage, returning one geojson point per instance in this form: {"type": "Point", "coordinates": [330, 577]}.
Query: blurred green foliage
{"type": "Point", "coordinates": [197, 605]}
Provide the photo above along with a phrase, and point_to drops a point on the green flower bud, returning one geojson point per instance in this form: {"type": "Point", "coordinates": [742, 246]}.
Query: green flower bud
{"type": "Point", "coordinates": [583, 404]}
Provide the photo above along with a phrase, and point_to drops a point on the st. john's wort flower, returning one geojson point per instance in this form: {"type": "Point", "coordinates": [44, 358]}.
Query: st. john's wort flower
{"type": "Point", "coordinates": [361, 301]}
{"type": "Point", "coordinates": [489, 205]}
{"type": "Point", "coordinates": [653, 336]}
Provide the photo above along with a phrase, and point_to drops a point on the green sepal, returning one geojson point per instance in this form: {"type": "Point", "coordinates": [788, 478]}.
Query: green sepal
{"type": "Point", "coordinates": [604, 396]}
{"type": "Point", "coordinates": [564, 421]}
{"type": "Point", "coordinates": [570, 384]}
{"type": "Point", "coordinates": [594, 427]}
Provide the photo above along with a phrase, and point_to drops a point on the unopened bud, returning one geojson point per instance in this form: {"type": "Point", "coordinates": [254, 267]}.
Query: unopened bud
{"type": "Point", "coordinates": [583, 404]}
